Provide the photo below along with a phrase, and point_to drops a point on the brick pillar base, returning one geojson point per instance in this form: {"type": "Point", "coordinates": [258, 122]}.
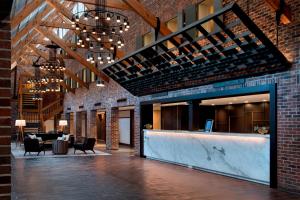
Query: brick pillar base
{"type": "Point", "coordinates": [112, 138]}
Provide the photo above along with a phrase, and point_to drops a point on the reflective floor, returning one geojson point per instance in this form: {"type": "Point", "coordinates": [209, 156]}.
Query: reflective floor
{"type": "Point", "coordinates": [123, 176]}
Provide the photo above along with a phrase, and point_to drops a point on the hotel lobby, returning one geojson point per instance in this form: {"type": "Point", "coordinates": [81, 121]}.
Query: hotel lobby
{"type": "Point", "coordinates": [136, 99]}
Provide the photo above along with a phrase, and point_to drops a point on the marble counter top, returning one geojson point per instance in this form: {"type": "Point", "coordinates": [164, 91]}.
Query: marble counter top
{"type": "Point", "coordinates": [211, 133]}
{"type": "Point", "coordinates": [245, 156]}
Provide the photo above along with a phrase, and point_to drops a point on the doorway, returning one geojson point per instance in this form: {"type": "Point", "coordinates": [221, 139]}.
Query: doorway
{"type": "Point", "coordinates": [84, 124]}
{"type": "Point", "coordinates": [71, 123]}
{"type": "Point", "coordinates": [126, 126]}
{"type": "Point", "coordinates": [101, 127]}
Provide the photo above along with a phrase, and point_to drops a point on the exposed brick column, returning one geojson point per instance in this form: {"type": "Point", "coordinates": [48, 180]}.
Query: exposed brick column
{"type": "Point", "coordinates": [91, 124]}
{"type": "Point", "coordinates": [112, 138]}
{"type": "Point", "coordinates": [137, 130]}
{"type": "Point", "coordinates": [5, 111]}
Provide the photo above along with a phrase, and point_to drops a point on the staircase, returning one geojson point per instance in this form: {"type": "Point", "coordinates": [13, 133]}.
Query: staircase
{"type": "Point", "coordinates": [52, 109]}
{"type": "Point", "coordinates": [30, 113]}
{"type": "Point", "coordinates": [27, 101]}
{"type": "Point", "coordinates": [35, 115]}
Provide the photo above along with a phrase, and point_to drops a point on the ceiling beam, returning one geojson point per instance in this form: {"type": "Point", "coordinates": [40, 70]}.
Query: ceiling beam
{"type": "Point", "coordinates": [17, 50]}
{"type": "Point", "coordinates": [72, 53]}
{"type": "Point", "coordinates": [31, 25]}
{"type": "Point", "coordinates": [39, 52]}
{"type": "Point", "coordinates": [286, 16]}
{"type": "Point", "coordinates": [29, 8]}
{"type": "Point", "coordinates": [57, 25]}
{"type": "Point", "coordinates": [118, 4]}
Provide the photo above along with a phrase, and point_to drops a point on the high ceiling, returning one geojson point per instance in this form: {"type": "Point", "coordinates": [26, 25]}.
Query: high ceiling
{"type": "Point", "coordinates": [33, 22]}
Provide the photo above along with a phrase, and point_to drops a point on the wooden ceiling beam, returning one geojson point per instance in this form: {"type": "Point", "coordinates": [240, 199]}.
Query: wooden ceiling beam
{"type": "Point", "coordinates": [31, 25]}
{"type": "Point", "coordinates": [72, 53]}
{"type": "Point", "coordinates": [45, 43]}
{"type": "Point", "coordinates": [29, 8]}
{"type": "Point", "coordinates": [57, 25]}
{"type": "Point", "coordinates": [118, 4]}
{"type": "Point", "coordinates": [39, 52]}
{"type": "Point", "coordinates": [286, 16]}
{"type": "Point", "coordinates": [17, 50]}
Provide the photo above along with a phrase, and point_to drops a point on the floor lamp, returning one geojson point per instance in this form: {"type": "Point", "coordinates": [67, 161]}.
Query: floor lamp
{"type": "Point", "coordinates": [20, 123]}
{"type": "Point", "coordinates": [63, 123]}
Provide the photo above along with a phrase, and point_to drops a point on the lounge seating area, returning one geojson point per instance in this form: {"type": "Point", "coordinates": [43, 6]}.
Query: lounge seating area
{"type": "Point", "coordinates": [58, 143]}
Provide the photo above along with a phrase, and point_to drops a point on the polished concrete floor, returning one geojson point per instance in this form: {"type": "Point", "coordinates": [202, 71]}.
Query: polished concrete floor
{"type": "Point", "coordinates": [122, 176]}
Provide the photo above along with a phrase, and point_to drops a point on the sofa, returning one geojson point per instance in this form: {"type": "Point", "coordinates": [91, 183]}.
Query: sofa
{"type": "Point", "coordinates": [49, 137]}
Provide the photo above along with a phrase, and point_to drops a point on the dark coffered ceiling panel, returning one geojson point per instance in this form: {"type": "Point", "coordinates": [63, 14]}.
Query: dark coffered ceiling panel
{"type": "Point", "coordinates": [234, 48]}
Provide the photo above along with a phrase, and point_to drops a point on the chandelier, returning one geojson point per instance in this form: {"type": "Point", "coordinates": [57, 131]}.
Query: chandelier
{"type": "Point", "coordinates": [101, 32]}
{"type": "Point", "coordinates": [37, 97]}
{"type": "Point", "coordinates": [52, 64]}
{"type": "Point", "coordinates": [53, 68]}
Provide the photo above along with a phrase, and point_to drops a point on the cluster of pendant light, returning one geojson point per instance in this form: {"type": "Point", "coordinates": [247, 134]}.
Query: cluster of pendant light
{"type": "Point", "coordinates": [52, 67]}
{"type": "Point", "coordinates": [101, 32]}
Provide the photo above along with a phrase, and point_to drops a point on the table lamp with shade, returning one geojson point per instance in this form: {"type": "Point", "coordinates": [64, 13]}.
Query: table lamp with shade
{"type": "Point", "coordinates": [63, 123]}
{"type": "Point", "coordinates": [20, 123]}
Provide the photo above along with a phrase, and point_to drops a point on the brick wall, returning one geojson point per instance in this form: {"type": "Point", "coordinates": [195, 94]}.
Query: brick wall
{"type": "Point", "coordinates": [288, 82]}
{"type": "Point", "coordinates": [5, 111]}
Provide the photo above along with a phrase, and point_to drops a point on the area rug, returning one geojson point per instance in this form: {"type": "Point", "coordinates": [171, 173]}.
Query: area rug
{"type": "Point", "coordinates": [18, 153]}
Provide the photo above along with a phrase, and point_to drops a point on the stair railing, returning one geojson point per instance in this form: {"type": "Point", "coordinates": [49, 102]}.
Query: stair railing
{"type": "Point", "coordinates": [52, 109]}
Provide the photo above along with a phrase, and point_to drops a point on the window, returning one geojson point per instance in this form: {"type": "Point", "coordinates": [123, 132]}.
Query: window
{"type": "Point", "coordinates": [72, 83]}
{"type": "Point", "coordinates": [60, 32]}
{"type": "Point", "coordinates": [203, 9]}
{"type": "Point", "coordinates": [84, 75]}
{"type": "Point", "coordinates": [172, 26]}
{"type": "Point", "coordinates": [93, 77]}
{"type": "Point", "coordinates": [148, 38]}
{"type": "Point", "coordinates": [77, 84]}
{"type": "Point", "coordinates": [78, 7]}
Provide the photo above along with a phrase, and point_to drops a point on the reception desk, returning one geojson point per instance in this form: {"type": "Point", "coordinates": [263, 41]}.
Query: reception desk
{"type": "Point", "coordinates": [244, 156]}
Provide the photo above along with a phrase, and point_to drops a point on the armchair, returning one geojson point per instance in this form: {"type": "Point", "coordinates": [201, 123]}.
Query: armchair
{"type": "Point", "coordinates": [88, 144]}
{"type": "Point", "coordinates": [33, 145]}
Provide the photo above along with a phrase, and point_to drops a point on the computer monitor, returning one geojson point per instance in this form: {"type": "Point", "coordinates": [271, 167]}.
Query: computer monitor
{"type": "Point", "coordinates": [208, 125]}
